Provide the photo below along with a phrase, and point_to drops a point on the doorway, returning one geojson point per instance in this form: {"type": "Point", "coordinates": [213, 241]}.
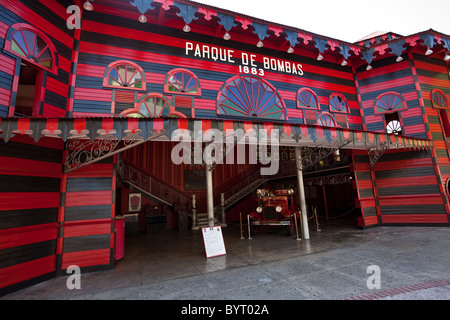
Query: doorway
{"type": "Point", "coordinates": [28, 91]}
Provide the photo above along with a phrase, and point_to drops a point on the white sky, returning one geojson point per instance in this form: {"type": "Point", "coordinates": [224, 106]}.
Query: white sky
{"type": "Point", "coordinates": [347, 20]}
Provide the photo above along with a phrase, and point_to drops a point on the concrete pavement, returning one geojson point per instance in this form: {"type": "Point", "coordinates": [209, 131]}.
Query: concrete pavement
{"type": "Point", "coordinates": [337, 263]}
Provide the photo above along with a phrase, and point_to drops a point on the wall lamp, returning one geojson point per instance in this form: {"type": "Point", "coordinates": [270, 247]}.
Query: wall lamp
{"type": "Point", "coordinates": [186, 28]}
{"type": "Point", "coordinates": [143, 19]}
{"type": "Point", "coordinates": [88, 6]}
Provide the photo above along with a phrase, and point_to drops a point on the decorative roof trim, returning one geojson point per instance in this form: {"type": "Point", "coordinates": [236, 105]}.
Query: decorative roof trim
{"type": "Point", "coordinates": [145, 129]}
{"type": "Point", "coordinates": [367, 49]}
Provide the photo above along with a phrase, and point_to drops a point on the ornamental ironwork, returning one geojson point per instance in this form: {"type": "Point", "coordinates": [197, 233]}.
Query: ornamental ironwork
{"type": "Point", "coordinates": [376, 152]}
{"type": "Point", "coordinates": [311, 156]}
{"type": "Point", "coordinates": [82, 152]}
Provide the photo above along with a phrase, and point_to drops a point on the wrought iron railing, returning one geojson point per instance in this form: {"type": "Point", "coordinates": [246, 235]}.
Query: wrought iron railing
{"type": "Point", "coordinates": [150, 185]}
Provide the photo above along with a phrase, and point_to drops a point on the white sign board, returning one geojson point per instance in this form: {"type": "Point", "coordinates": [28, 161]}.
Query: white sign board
{"type": "Point", "coordinates": [213, 239]}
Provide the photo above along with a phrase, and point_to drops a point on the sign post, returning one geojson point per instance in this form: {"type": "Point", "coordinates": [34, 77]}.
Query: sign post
{"type": "Point", "coordinates": [213, 240]}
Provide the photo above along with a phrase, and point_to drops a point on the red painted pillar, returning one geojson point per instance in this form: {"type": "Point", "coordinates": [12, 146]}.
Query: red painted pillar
{"type": "Point", "coordinates": [119, 226]}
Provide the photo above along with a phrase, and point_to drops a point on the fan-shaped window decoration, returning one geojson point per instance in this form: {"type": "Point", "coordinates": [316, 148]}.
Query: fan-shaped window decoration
{"type": "Point", "coordinates": [182, 81]}
{"type": "Point", "coordinates": [388, 102]}
{"type": "Point", "coordinates": [393, 124]}
{"type": "Point", "coordinates": [306, 98]}
{"type": "Point", "coordinates": [250, 96]}
{"type": "Point", "coordinates": [338, 103]}
{"type": "Point", "coordinates": [326, 120]}
{"type": "Point", "coordinates": [438, 99]}
{"type": "Point", "coordinates": [124, 75]}
{"type": "Point", "coordinates": [394, 127]}
{"type": "Point", "coordinates": [152, 105]}
{"type": "Point", "coordinates": [32, 45]}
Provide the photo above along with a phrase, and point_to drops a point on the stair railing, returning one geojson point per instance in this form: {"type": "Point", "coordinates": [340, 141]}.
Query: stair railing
{"type": "Point", "coordinates": [148, 184]}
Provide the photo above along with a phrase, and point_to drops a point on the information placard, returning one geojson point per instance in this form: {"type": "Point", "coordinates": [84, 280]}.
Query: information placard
{"type": "Point", "coordinates": [213, 239]}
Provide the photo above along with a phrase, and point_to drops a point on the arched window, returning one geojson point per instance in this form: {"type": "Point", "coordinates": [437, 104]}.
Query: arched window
{"type": "Point", "coordinates": [438, 99]}
{"type": "Point", "coordinates": [31, 45]}
{"type": "Point", "coordinates": [124, 75]}
{"type": "Point", "coordinates": [36, 56]}
{"type": "Point", "coordinates": [250, 96]}
{"type": "Point", "coordinates": [306, 98]}
{"type": "Point", "coordinates": [152, 105]}
{"type": "Point", "coordinates": [338, 103]}
{"type": "Point", "coordinates": [326, 120]}
{"type": "Point", "coordinates": [440, 103]}
{"type": "Point", "coordinates": [182, 81]}
{"type": "Point", "coordinates": [389, 102]}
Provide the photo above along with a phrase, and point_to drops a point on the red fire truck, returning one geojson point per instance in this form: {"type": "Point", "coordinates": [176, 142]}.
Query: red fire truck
{"type": "Point", "coordinates": [275, 209]}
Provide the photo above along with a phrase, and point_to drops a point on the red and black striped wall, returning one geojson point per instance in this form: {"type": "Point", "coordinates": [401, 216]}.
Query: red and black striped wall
{"type": "Point", "coordinates": [364, 187]}
{"type": "Point", "coordinates": [50, 220]}
{"type": "Point", "coordinates": [30, 185]}
{"type": "Point", "coordinates": [431, 75]}
{"type": "Point", "coordinates": [402, 188]}
{"type": "Point", "coordinates": [409, 189]}
{"type": "Point", "coordinates": [405, 187]}
{"type": "Point", "coordinates": [88, 212]}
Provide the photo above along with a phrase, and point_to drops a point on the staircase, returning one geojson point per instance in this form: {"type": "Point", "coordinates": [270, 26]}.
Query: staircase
{"type": "Point", "coordinates": [202, 220]}
{"type": "Point", "coordinates": [156, 190]}
{"type": "Point", "coordinates": [248, 189]}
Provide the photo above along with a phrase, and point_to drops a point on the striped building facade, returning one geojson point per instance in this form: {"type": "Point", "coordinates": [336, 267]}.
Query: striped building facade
{"type": "Point", "coordinates": [142, 70]}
